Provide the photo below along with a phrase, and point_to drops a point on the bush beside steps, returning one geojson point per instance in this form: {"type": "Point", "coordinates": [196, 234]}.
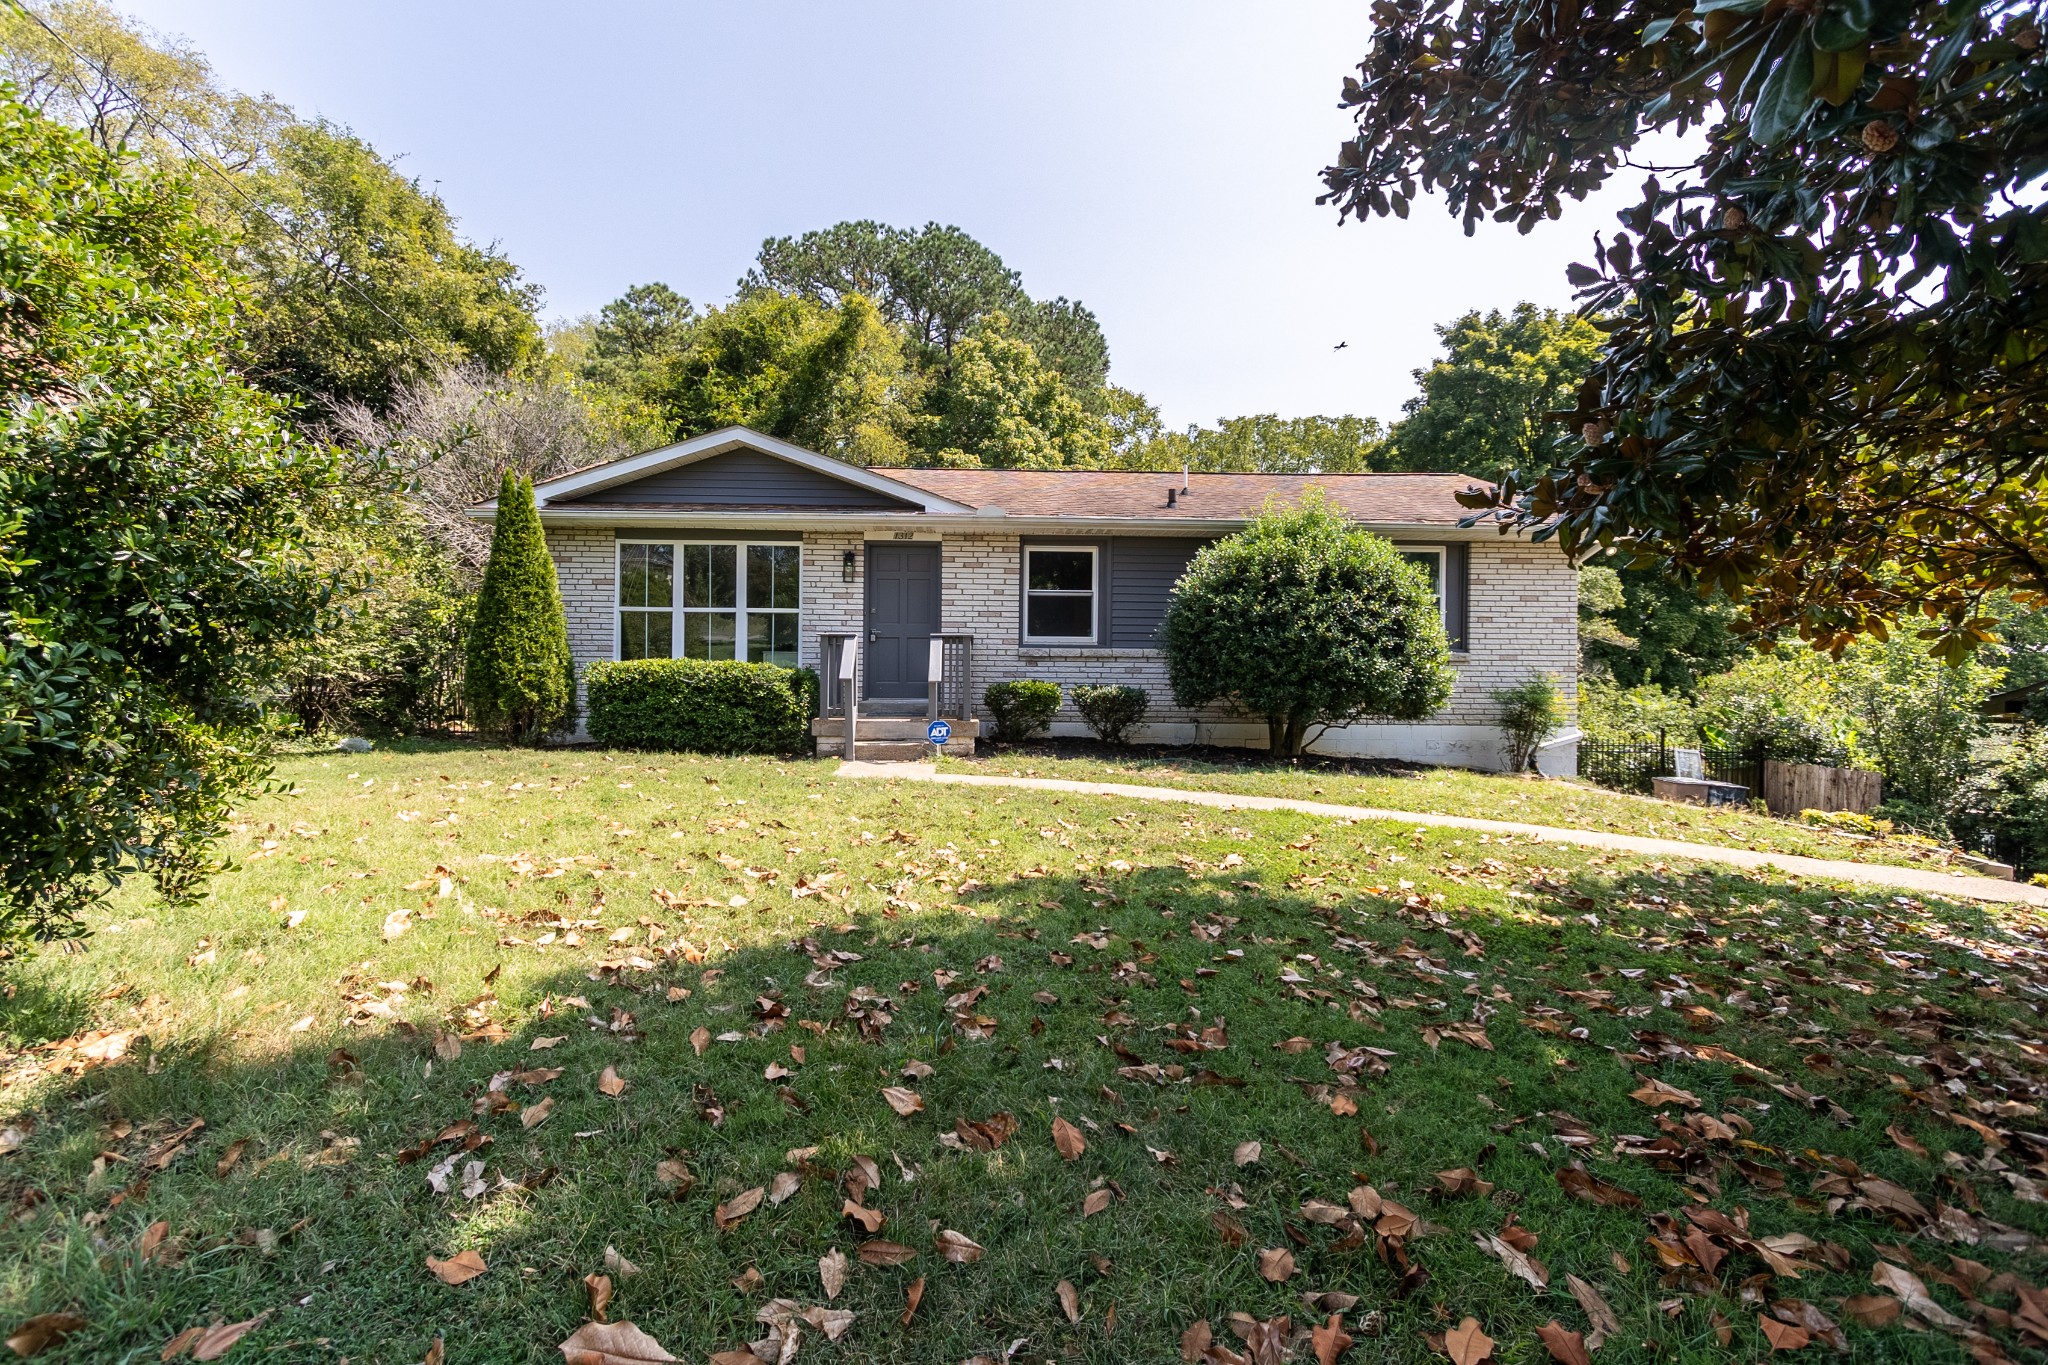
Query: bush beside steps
{"type": "Point", "coordinates": [706, 706]}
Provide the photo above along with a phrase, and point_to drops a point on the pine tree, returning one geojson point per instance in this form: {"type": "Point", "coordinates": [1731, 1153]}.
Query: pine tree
{"type": "Point", "coordinates": [519, 682]}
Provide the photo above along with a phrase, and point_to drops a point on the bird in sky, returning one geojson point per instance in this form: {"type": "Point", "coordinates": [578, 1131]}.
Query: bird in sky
{"type": "Point", "coordinates": [1340, 345]}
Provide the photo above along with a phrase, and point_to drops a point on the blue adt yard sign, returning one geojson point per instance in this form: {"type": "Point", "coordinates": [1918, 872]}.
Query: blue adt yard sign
{"type": "Point", "coordinates": [938, 732]}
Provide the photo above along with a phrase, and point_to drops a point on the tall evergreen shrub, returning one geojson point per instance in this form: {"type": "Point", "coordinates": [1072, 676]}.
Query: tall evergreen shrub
{"type": "Point", "coordinates": [518, 680]}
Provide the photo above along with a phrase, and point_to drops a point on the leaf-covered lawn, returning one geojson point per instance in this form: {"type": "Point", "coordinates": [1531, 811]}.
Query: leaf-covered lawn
{"type": "Point", "coordinates": [1570, 804]}
{"type": "Point", "coordinates": [475, 1044]}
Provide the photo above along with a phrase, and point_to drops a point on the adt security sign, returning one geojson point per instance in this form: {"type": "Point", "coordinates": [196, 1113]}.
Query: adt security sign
{"type": "Point", "coordinates": [938, 732]}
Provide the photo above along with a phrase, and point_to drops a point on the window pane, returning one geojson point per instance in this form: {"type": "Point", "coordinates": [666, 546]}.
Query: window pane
{"type": "Point", "coordinates": [1062, 570]}
{"type": "Point", "coordinates": [708, 575]}
{"type": "Point", "coordinates": [1431, 564]}
{"type": "Point", "coordinates": [709, 634]}
{"type": "Point", "coordinates": [771, 638]}
{"type": "Point", "coordinates": [645, 635]}
{"type": "Point", "coordinates": [646, 575]}
{"type": "Point", "coordinates": [1060, 618]}
{"type": "Point", "coordinates": [771, 576]}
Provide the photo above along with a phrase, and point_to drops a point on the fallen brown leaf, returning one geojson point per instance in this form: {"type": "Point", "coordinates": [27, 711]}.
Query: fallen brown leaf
{"type": "Point", "coordinates": [1276, 1264]}
{"type": "Point", "coordinates": [903, 1100]}
{"type": "Point", "coordinates": [674, 1175]}
{"type": "Point", "coordinates": [43, 1331]}
{"type": "Point", "coordinates": [460, 1268]}
{"type": "Point", "coordinates": [619, 1265]}
{"type": "Point", "coordinates": [700, 1038]}
{"type": "Point", "coordinates": [1596, 1309]}
{"type": "Point", "coordinates": [1783, 1336]}
{"type": "Point", "coordinates": [600, 1287]}
{"type": "Point", "coordinates": [1247, 1153]}
{"type": "Point", "coordinates": [229, 1157]}
{"type": "Point", "coordinates": [884, 1253]}
{"type": "Point", "coordinates": [1068, 1139]}
{"type": "Point", "coordinates": [1330, 1340]}
{"type": "Point", "coordinates": [957, 1247]}
{"type": "Point", "coordinates": [211, 1343]}
{"type": "Point", "coordinates": [1873, 1310]}
{"type": "Point", "coordinates": [1580, 1183]}
{"type": "Point", "coordinates": [1095, 1203]}
{"type": "Point", "coordinates": [1466, 1344]}
{"type": "Point", "coordinates": [1904, 1140]}
{"type": "Point", "coordinates": [1656, 1094]}
{"type": "Point", "coordinates": [870, 1220]}
{"type": "Point", "coordinates": [611, 1083]}
{"type": "Point", "coordinates": [1566, 1346]}
{"type": "Point", "coordinates": [911, 1298]}
{"type": "Point", "coordinates": [534, 1114]}
{"type": "Point", "coordinates": [1070, 1300]}
{"type": "Point", "coordinates": [613, 1343]}
{"type": "Point", "coordinates": [728, 1214]}
{"type": "Point", "coordinates": [1519, 1263]}
{"type": "Point", "coordinates": [832, 1272]}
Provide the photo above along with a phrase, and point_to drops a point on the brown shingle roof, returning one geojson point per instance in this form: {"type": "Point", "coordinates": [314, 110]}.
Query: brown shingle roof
{"type": "Point", "coordinates": [1398, 499]}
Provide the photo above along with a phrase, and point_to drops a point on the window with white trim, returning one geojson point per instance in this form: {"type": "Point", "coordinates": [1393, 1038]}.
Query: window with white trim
{"type": "Point", "coordinates": [737, 600]}
{"type": "Point", "coordinates": [1432, 560]}
{"type": "Point", "coordinates": [1059, 594]}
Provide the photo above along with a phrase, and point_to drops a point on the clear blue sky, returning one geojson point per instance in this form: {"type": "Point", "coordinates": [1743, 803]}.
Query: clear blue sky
{"type": "Point", "coordinates": [1156, 160]}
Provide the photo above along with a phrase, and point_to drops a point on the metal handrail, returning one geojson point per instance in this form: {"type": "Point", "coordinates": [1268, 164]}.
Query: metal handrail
{"type": "Point", "coordinates": [849, 666]}
{"type": "Point", "coordinates": [949, 677]}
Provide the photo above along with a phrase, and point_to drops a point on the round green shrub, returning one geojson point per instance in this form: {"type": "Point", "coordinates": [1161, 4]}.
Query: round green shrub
{"type": "Point", "coordinates": [1022, 708]}
{"type": "Point", "coordinates": [1111, 711]}
{"type": "Point", "coordinates": [1306, 621]}
{"type": "Point", "coordinates": [707, 706]}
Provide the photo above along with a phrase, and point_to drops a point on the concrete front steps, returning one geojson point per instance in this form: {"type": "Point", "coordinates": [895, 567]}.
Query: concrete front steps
{"type": "Point", "coordinates": [884, 739]}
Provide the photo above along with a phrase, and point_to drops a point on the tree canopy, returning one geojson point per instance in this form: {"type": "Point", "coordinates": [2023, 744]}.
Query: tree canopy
{"type": "Point", "coordinates": [154, 518]}
{"type": "Point", "coordinates": [1822, 383]}
{"type": "Point", "coordinates": [1486, 406]}
{"type": "Point", "coordinates": [1266, 443]}
{"type": "Point", "coordinates": [355, 280]}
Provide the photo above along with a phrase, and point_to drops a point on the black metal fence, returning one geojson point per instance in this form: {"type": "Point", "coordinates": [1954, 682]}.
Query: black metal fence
{"type": "Point", "coordinates": [1628, 765]}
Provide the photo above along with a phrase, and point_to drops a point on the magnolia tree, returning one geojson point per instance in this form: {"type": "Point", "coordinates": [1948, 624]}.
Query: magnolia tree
{"type": "Point", "coordinates": [1305, 620]}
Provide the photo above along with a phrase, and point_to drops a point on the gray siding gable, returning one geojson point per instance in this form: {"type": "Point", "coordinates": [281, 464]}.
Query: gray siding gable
{"type": "Point", "coordinates": [741, 478]}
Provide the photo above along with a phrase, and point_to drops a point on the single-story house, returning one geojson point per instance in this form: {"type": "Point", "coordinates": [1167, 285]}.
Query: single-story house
{"type": "Point", "coordinates": [739, 545]}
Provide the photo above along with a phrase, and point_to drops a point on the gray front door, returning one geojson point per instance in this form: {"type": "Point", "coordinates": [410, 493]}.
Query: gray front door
{"type": "Point", "coordinates": [903, 614]}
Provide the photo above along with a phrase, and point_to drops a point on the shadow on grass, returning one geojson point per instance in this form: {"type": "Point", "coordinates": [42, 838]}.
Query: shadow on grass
{"type": "Point", "coordinates": [1097, 990]}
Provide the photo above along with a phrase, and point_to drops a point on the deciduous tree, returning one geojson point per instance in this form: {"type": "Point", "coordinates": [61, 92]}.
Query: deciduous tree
{"type": "Point", "coordinates": [1825, 332]}
{"type": "Point", "coordinates": [1487, 406]}
{"type": "Point", "coordinates": [154, 518]}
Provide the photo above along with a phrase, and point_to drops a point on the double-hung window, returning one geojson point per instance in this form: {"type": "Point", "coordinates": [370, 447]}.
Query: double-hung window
{"type": "Point", "coordinates": [735, 601]}
{"type": "Point", "coordinates": [1059, 594]}
{"type": "Point", "coordinates": [1434, 561]}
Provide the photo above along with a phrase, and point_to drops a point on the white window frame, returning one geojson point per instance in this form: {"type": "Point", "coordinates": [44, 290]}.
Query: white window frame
{"type": "Point", "coordinates": [1442, 555]}
{"type": "Point", "coordinates": [1094, 594]}
{"type": "Point", "coordinates": [677, 612]}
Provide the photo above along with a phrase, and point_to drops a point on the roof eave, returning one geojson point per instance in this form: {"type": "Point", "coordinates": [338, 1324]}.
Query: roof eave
{"type": "Point", "coordinates": [740, 517]}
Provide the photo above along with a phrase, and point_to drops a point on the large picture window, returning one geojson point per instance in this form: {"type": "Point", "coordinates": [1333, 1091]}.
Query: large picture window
{"type": "Point", "coordinates": [735, 601]}
{"type": "Point", "coordinates": [1059, 594]}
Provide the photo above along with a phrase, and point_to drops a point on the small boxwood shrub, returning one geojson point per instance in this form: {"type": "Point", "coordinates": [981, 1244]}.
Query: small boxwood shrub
{"type": "Point", "coordinates": [706, 706]}
{"type": "Point", "coordinates": [1021, 708]}
{"type": "Point", "coordinates": [1111, 711]}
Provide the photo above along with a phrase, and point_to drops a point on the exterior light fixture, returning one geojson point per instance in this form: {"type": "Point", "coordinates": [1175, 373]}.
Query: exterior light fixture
{"type": "Point", "coordinates": [846, 567]}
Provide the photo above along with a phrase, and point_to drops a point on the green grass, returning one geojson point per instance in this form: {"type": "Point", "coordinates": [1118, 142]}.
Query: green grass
{"type": "Point", "coordinates": [1272, 927]}
{"type": "Point", "coordinates": [1570, 803]}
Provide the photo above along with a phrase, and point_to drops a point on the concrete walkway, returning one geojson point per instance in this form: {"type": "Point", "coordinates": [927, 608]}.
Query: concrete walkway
{"type": "Point", "coordinates": [1823, 869]}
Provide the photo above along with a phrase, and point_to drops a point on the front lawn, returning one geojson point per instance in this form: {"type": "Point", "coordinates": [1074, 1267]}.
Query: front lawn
{"type": "Point", "coordinates": [713, 1039]}
{"type": "Point", "coordinates": [1571, 804]}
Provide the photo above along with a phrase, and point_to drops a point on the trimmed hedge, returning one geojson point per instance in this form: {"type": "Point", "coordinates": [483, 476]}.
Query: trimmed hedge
{"type": "Point", "coordinates": [1111, 711]}
{"type": "Point", "coordinates": [705, 706]}
{"type": "Point", "coordinates": [1022, 708]}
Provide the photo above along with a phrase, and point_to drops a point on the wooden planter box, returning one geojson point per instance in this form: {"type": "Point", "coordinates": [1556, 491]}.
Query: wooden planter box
{"type": "Point", "coordinates": [1790, 788]}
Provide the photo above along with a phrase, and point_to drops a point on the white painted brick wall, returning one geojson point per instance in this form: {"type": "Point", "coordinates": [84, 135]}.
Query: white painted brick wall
{"type": "Point", "coordinates": [586, 570]}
